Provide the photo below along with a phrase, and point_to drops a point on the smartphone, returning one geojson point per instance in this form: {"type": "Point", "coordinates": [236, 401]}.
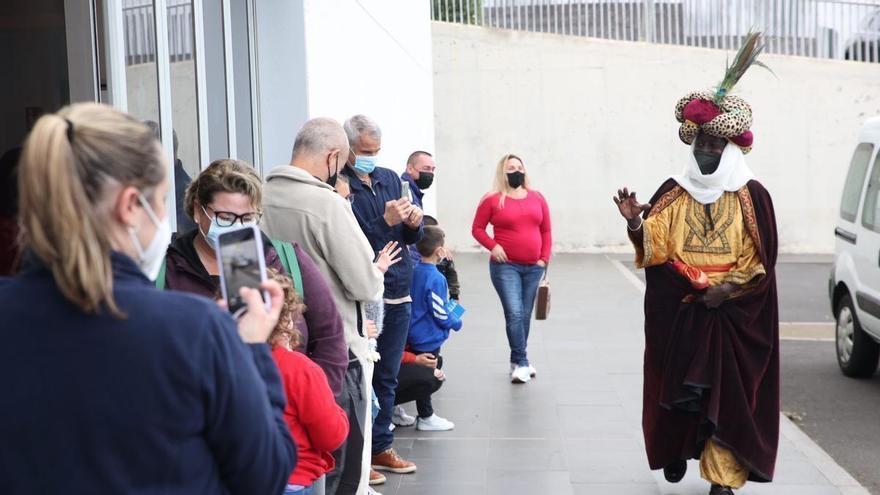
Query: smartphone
{"type": "Point", "coordinates": [242, 264]}
{"type": "Point", "coordinates": [405, 192]}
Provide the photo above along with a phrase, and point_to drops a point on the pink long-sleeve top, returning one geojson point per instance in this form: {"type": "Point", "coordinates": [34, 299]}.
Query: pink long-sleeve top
{"type": "Point", "coordinates": [521, 227]}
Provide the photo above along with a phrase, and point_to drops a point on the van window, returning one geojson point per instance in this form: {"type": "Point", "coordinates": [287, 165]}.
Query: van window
{"type": "Point", "coordinates": [855, 179]}
{"type": "Point", "coordinates": [870, 216]}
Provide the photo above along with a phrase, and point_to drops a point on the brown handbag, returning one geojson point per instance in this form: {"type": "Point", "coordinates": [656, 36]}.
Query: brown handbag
{"type": "Point", "coordinates": [542, 301]}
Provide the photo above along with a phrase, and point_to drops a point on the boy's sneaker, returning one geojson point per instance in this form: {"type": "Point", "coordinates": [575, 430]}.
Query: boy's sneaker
{"type": "Point", "coordinates": [377, 478]}
{"type": "Point", "coordinates": [391, 462]}
{"type": "Point", "coordinates": [400, 418]}
{"type": "Point", "coordinates": [434, 423]}
{"type": "Point", "coordinates": [521, 374]}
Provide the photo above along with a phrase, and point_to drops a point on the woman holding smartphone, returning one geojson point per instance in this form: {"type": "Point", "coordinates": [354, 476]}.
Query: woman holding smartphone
{"type": "Point", "coordinates": [155, 391]}
{"type": "Point", "coordinates": [521, 246]}
{"type": "Point", "coordinates": [225, 196]}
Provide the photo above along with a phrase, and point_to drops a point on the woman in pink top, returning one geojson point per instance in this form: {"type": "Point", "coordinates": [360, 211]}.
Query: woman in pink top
{"type": "Point", "coordinates": [520, 246]}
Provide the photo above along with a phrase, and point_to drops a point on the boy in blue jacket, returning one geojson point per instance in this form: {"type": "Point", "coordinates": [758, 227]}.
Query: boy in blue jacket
{"type": "Point", "coordinates": [433, 316]}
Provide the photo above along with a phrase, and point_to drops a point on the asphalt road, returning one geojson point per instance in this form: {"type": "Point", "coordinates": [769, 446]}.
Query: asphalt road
{"type": "Point", "coordinates": [841, 414]}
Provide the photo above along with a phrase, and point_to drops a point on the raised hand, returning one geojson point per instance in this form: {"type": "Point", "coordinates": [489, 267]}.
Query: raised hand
{"type": "Point", "coordinates": [388, 256]}
{"type": "Point", "coordinates": [629, 206]}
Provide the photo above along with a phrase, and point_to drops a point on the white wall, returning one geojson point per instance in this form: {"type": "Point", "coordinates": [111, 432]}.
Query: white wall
{"type": "Point", "coordinates": [281, 78]}
{"type": "Point", "coordinates": [589, 116]}
{"type": "Point", "coordinates": [374, 57]}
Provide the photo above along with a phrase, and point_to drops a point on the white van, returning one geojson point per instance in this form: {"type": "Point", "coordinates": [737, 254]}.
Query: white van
{"type": "Point", "coordinates": [854, 286]}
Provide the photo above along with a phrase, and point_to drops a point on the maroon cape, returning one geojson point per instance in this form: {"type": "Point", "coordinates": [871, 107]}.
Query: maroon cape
{"type": "Point", "coordinates": [714, 373]}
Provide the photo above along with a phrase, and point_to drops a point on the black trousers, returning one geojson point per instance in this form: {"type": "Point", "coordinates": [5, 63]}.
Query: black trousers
{"type": "Point", "coordinates": [418, 383]}
{"type": "Point", "coordinates": [346, 476]}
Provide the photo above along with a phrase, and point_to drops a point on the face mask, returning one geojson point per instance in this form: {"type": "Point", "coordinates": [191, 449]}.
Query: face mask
{"type": "Point", "coordinates": [150, 260]}
{"type": "Point", "coordinates": [516, 179]}
{"type": "Point", "coordinates": [365, 164]}
{"type": "Point", "coordinates": [331, 179]}
{"type": "Point", "coordinates": [215, 230]}
{"type": "Point", "coordinates": [707, 161]}
{"type": "Point", "coordinates": [425, 180]}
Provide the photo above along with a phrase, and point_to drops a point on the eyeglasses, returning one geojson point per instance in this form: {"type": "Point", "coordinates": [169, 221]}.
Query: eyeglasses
{"type": "Point", "coordinates": [228, 218]}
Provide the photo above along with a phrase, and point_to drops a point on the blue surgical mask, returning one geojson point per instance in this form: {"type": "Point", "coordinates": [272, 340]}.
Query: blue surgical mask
{"type": "Point", "coordinates": [365, 164]}
{"type": "Point", "coordinates": [215, 230]}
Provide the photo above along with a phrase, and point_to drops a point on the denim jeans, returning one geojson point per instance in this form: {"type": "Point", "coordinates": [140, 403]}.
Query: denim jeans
{"type": "Point", "coordinates": [390, 346]}
{"type": "Point", "coordinates": [517, 287]}
{"type": "Point", "coordinates": [318, 487]}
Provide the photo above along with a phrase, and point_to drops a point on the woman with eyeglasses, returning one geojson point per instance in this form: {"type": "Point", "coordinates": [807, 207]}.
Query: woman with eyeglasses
{"type": "Point", "coordinates": [225, 196]}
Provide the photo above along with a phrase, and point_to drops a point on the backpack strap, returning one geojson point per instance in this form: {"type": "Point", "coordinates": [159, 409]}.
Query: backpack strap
{"type": "Point", "coordinates": [160, 280]}
{"type": "Point", "coordinates": [287, 255]}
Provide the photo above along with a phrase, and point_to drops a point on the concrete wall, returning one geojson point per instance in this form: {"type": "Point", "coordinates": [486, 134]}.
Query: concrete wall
{"type": "Point", "coordinates": [589, 116]}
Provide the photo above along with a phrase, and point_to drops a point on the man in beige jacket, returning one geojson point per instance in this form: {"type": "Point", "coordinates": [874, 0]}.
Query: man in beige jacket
{"type": "Point", "coordinates": [300, 205]}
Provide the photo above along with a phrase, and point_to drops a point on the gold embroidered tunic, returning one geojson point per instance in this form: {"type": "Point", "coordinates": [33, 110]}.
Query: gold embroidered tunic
{"type": "Point", "coordinates": [720, 245]}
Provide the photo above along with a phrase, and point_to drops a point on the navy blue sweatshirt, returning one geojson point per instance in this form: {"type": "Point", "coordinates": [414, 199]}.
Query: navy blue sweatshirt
{"type": "Point", "coordinates": [368, 204]}
{"type": "Point", "coordinates": [168, 400]}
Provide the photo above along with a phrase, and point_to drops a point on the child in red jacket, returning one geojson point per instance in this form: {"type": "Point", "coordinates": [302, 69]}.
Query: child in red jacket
{"type": "Point", "coordinates": [318, 425]}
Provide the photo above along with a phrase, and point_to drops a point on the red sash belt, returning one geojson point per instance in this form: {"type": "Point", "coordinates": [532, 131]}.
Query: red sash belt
{"type": "Point", "coordinates": [716, 268]}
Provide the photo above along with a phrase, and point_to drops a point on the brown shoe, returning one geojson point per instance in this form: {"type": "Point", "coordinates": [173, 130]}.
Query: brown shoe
{"type": "Point", "coordinates": [376, 478]}
{"type": "Point", "coordinates": [391, 462]}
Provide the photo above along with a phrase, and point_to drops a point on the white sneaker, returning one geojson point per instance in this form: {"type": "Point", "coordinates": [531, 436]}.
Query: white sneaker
{"type": "Point", "coordinates": [434, 423]}
{"type": "Point", "coordinates": [400, 418]}
{"type": "Point", "coordinates": [532, 371]}
{"type": "Point", "coordinates": [370, 491]}
{"type": "Point", "coordinates": [521, 374]}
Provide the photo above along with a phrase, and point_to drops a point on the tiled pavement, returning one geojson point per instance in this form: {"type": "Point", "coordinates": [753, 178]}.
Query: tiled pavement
{"type": "Point", "coordinates": [575, 429]}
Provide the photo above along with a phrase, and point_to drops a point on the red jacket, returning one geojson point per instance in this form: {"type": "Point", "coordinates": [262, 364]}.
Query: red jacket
{"type": "Point", "coordinates": [318, 425]}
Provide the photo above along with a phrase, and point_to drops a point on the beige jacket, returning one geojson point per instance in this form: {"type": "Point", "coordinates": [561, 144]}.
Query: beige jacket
{"type": "Point", "coordinates": [299, 208]}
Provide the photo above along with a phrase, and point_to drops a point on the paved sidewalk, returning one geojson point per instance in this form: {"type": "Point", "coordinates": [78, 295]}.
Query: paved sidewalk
{"type": "Point", "coordinates": [575, 429]}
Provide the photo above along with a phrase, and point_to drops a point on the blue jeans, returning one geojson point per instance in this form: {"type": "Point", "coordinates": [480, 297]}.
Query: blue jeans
{"type": "Point", "coordinates": [390, 346]}
{"type": "Point", "coordinates": [517, 287]}
{"type": "Point", "coordinates": [298, 490]}
{"type": "Point", "coordinates": [318, 487]}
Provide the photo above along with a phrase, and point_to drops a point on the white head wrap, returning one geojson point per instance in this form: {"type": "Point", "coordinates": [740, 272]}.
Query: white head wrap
{"type": "Point", "coordinates": [732, 174]}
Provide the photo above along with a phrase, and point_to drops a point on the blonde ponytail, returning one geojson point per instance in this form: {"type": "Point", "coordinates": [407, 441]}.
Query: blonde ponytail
{"type": "Point", "coordinates": [69, 159]}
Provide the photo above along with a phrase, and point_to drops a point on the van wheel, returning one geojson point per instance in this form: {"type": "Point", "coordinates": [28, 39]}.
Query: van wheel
{"type": "Point", "coordinates": [857, 353]}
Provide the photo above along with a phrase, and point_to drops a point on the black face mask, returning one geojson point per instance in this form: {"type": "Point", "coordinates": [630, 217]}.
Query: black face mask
{"type": "Point", "coordinates": [331, 179]}
{"type": "Point", "coordinates": [425, 180]}
{"type": "Point", "coordinates": [707, 161]}
{"type": "Point", "coordinates": [516, 179]}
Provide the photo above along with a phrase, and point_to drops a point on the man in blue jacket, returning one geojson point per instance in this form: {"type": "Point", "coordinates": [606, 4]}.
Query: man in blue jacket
{"type": "Point", "coordinates": [419, 173]}
{"type": "Point", "coordinates": [385, 216]}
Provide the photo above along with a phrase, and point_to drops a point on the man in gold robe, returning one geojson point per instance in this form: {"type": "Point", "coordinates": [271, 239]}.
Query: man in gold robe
{"type": "Point", "coordinates": [707, 241]}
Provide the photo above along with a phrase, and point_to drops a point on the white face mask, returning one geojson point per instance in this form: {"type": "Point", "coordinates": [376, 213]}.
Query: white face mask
{"type": "Point", "coordinates": [150, 260]}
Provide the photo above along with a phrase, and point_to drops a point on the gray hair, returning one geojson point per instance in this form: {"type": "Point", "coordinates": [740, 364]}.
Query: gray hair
{"type": "Point", "coordinates": [361, 124]}
{"type": "Point", "coordinates": [154, 126]}
{"type": "Point", "coordinates": [317, 136]}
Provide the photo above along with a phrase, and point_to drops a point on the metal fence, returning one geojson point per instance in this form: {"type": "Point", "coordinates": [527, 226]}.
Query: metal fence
{"type": "Point", "coordinates": [140, 33]}
{"type": "Point", "coordinates": [814, 28]}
